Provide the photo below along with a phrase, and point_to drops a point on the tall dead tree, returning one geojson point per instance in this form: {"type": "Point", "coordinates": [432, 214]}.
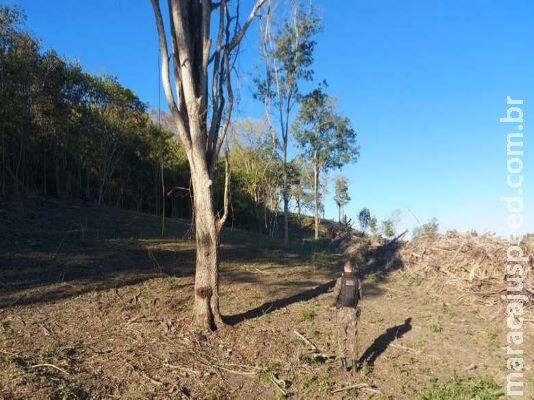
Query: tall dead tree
{"type": "Point", "coordinates": [201, 105]}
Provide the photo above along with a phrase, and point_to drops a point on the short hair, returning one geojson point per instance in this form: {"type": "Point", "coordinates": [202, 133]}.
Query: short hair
{"type": "Point", "coordinates": [351, 261]}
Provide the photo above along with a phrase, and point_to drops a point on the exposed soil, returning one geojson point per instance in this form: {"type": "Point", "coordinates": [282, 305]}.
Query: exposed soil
{"type": "Point", "coordinates": [95, 304]}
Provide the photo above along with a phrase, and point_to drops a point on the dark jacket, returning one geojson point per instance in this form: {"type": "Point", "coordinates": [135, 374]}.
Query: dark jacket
{"type": "Point", "coordinates": [348, 291]}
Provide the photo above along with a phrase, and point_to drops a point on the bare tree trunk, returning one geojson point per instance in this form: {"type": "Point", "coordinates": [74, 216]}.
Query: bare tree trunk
{"type": "Point", "coordinates": [44, 173]}
{"type": "Point", "coordinates": [80, 183]}
{"type": "Point", "coordinates": [206, 308]}
{"type": "Point", "coordinates": [286, 218]}
{"type": "Point", "coordinates": [68, 184]}
{"type": "Point", "coordinates": [87, 183]}
{"type": "Point", "coordinates": [285, 195]}
{"type": "Point", "coordinates": [316, 195]}
{"type": "Point", "coordinates": [57, 172]}
{"type": "Point", "coordinates": [3, 126]}
{"type": "Point", "coordinates": [101, 192]}
{"type": "Point", "coordinates": [3, 160]}
{"type": "Point", "coordinates": [19, 162]}
{"type": "Point", "coordinates": [162, 199]}
{"type": "Point", "coordinates": [157, 189]}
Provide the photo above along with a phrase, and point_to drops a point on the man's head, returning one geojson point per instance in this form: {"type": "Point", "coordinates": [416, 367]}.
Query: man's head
{"type": "Point", "coordinates": [348, 266]}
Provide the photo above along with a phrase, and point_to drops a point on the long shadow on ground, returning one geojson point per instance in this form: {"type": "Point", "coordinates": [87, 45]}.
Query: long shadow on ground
{"type": "Point", "coordinates": [382, 342]}
{"type": "Point", "coordinates": [50, 265]}
{"type": "Point", "coordinates": [383, 259]}
{"type": "Point", "coordinates": [271, 306]}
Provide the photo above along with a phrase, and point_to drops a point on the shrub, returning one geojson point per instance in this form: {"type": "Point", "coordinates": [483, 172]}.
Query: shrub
{"type": "Point", "coordinates": [307, 315]}
{"type": "Point", "coordinates": [428, 229]}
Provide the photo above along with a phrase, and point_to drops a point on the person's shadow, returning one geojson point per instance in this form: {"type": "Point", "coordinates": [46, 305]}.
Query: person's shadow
{"type": "Point", "coordinates": [382, 342]}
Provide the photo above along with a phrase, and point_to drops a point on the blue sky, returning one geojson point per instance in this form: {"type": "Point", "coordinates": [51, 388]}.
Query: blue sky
{"type": "Point", "coordinates": [424, 83]}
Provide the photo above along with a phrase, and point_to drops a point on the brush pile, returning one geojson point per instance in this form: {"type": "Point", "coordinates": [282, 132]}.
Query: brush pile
{"type": "Point", "coordinates": [473, 265]}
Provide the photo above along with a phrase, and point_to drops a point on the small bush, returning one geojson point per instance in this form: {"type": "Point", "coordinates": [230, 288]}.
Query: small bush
{"type": "Point", "coordinates": [382, 396]}
{"type": "Point", "coordinates": [307, 315]}
{"type": "Point", "coordinates": [366, 368]}
{"type": "Point", "coordinates": [428, 229]}
{"type": "Point", "coordinates": [436, 327]}
{"type": "Point", "coordinates": [456, 388]}
{"type": "Point", "coordinates": [326, 383]}
{"type": "Point", "coordinates": [388, 228]}
{"type": "Point", "coordinates": [415, 279]}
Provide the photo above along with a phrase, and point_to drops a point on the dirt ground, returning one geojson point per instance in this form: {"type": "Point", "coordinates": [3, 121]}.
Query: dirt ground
{"type": "Point", "coordinates": [95, 304]}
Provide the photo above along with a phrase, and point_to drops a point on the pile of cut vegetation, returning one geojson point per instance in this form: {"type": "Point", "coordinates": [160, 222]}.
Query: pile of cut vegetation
{"type": "Point", "coordinates": [474, 265]}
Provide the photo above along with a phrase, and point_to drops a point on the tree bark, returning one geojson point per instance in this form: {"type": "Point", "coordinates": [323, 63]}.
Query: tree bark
{"type": "Point", "coordinates": [56, 163]}
{"type": "Point", "coordinates": [316, 195]}
{"type": "Point", "coordinates": [3, 159]}
{"type": "Point", "coordinates": [206, 308]}
{"type": "Point", "coordinates": [162, 198]}
{"type": "Point", "coordinates": [44, 173]}
{"type": "Point", "coordinates": [285, 196]}
{"type": "Point", "coordinates": [87, 184]}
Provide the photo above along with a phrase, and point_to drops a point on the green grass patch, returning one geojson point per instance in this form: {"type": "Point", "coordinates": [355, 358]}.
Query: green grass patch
{"type": "Point", "coordinates": [435, 327]}
{"type": "Point", "coordinates": [457, 388]}
{"type": "Point", "coordinates": [415, 279]}
{"type": "Point", "coordinates": [366, 368]}
{"type": "Point", "coordinates": [307, 315]}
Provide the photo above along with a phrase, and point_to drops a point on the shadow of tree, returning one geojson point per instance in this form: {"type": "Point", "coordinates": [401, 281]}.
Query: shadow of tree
{"type": "Point", "coordinates": [382, 260]}
{"type": "Point", "coordinates": [40, 273]}
{"type": "Point", "coordinates": [60, 252]}
{"type": "Point", "coordinates": [382, 342]}
{"type": "Point", "coordinates": [35, 277]}
{"type": "Point", "coordinates": [275, 305]}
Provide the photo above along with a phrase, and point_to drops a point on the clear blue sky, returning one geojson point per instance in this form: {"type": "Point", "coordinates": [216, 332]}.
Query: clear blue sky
{"type": "Point", "coordinates": [424, 82]}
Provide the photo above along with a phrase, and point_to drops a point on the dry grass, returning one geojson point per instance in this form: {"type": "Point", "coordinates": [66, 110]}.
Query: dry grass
{"type": "Point", "coordinates": [108, 316]}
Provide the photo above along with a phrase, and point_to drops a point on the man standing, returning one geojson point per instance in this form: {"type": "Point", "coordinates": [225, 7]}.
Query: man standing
{"type": "Point", "coordinates": [348, 292]}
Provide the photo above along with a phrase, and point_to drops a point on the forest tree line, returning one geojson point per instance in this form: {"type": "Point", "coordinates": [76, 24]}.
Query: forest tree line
{"type": "Point", "coordinates": [71, 134]}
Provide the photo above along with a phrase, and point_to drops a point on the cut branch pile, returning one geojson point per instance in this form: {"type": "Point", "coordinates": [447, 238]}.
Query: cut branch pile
{"type": "Point", "coordinates": [474, 265]}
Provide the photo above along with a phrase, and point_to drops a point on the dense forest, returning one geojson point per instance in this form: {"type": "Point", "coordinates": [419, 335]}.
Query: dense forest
{"type": "Point", "coordinates": [73, 135]}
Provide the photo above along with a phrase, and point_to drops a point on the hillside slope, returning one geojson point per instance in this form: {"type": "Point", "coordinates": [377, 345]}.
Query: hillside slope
{"type": "Point", "coordinates": [95, 305]}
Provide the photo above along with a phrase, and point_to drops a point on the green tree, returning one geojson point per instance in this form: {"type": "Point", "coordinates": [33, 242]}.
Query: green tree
{"type": "Point", "coordinates": [70, 134]}
{"type": "Point", "coordinates": [302, 188]}
{"type": "Point", "coordinates": [255, 198]}
{"type": "Point", "coordinates": [117, 112]}
{"type": "Point", "coordinates": [388, 228]}
{"type": "Point", "coordinates": [287, 52]}
{"type": "Point", "coordinates": [364, 218]}
{"type": "Point", "coordinates": [341, 194]}
{"type": "Point", "coordinates": [325, 137]}
{"type": "Point", "coordinates": [373, 225]}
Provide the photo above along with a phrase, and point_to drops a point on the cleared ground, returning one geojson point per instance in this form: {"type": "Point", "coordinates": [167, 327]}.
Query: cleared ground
{"type": "Point", "coordinates": [96, 304]}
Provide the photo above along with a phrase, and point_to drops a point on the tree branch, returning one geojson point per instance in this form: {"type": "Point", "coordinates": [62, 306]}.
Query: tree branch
{"type": "Point", "coordinates": [182, 46]}
{"type": "Point", "coordinates": [222, 220]}
{"type": "Point", "coordinates": [217, 95]}
{"type": "Point", "coordinates": [165, 76]}
{"type": "Point", "coordinates": [239, 35]}
{"type": "Point", "coordinates": [228, 117]}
